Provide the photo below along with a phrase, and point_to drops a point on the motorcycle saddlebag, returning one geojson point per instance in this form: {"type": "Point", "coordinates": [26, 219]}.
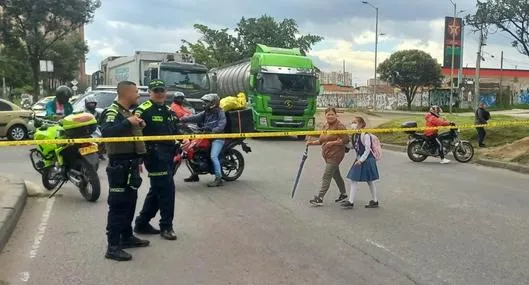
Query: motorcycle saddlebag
{"type": "Point", "coordinates": [80, 125]}
{"type": "Point", "coordinates": [240, 121]}
{"type": "Point", "coordinates": [410, 124]}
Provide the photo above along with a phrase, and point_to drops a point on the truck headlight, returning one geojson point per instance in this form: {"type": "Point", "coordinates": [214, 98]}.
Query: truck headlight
{"type": "Point", "coordinates": [263, 121]}
{"type": "Point", "coordinates": [310, 123]}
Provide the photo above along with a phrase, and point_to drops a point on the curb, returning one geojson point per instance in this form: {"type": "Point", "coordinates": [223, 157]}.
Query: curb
{"type": "Point", "coordinates": [502, 164]}
{"type": "Point", "coordinates": [11, 207]}
{"type": "Point", "coordinates": [481, 161]}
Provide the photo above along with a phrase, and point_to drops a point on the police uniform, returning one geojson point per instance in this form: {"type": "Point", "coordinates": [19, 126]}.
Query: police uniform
{"type": "Point", "coordinates": [123, 179]}
{"type": "Point", "coordinates": [159, 120]}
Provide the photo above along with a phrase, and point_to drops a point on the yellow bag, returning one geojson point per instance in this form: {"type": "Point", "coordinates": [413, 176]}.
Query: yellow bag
{"type": "Point", "coordinates": [233, 103]}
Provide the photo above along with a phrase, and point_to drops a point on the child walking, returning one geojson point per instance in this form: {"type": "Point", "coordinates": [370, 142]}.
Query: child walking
{"type": "Point", "coordinates": [364, 168]}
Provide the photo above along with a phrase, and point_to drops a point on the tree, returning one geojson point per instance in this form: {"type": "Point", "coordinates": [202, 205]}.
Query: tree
{"type": "Point", "coordinates": [14, 67]}
{"type": "Point", "coordinates": [509, 16]}
{"type": "Point", "coordinates": [66, 55]}
{"type": "Point", "coordinates": [38, 24]}
{"type": "Point", "coordinates": [218, 47]}
{"type": "Point", "coordinates": [409, 70]}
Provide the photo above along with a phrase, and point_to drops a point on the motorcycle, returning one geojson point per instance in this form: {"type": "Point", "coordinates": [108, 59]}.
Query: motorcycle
{"type": "Point", "coordinates": [196, 154]}
{"type": "Point", "coordinates": [59, 163]}
{"type": "Point", "coordinates": [420, 147]}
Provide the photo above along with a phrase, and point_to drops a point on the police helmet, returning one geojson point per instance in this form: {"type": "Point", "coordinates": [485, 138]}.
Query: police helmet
{"type": "Point", "coordinates": [211, 100]}
{"type": "Point", "coordinates": [90, 102]}
{"type": "Point", "coordinates": [63, 94]}
{"type": "Point", "coordinates": [436, 110]}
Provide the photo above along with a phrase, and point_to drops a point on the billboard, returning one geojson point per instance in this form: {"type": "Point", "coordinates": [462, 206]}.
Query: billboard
{"type": "Point", "coordinates": [453, 31]}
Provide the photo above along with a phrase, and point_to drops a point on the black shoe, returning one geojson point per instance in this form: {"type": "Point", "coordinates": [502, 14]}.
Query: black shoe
{"type": "Point", "coordinates": [102, 157]}
{"type": "Point", "coordinates": [215, 183]}
{"type": "Point", "coordinates": [145, 229]}
{"type": "Point", "coordinates": [482, 145]}
{"type": "Point", "coordinates": [133, 242]}
{"type": "Point", "coordinates": [316, 201]}
{"type": "Point", "coordinates": [168, 234]}
{"type": "Point", "coordinates": [372, 204]}
{"type": "Point", "coordinates": [192, 178]}
{"type": "Point", "coordinates": [348, 205]}
{"type": "Point", "coordinates": [341, 198]}
{"type": "Point", "coordinates": [118, 254]}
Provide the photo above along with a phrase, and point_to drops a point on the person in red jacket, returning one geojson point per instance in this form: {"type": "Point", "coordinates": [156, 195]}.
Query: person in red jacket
{"type": "Point", "coordinates": [178, 106]}
{"type": "Point", "coordinates": [433, 120]}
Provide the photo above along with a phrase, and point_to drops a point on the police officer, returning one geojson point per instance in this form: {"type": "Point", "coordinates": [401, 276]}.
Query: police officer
{"type": "Point", "coordinates": [159, 120]}
{"type": "Point", "coordinates": [123, 171]}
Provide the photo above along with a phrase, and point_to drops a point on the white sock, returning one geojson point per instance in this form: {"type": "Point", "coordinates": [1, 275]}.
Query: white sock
{"type": "Point", "coordinates": [373, 190]}
{"type": "Point", "coordinates": [354, 186]}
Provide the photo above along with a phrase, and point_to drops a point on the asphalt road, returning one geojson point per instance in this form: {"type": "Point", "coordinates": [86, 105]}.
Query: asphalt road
{"type": "Point", "coordinates": [438, 224]}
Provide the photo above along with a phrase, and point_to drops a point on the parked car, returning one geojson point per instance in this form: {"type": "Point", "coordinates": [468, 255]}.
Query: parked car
{"type": "Point", "coordinates": [15, 122]}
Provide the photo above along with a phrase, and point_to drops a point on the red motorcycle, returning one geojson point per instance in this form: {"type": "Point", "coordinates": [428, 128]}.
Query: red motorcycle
{"type": "Point", "coordinates": [196, 154]}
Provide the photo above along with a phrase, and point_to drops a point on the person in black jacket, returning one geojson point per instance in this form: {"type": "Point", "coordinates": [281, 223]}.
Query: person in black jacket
{"type": "Point", "coordinates": [482, 116]}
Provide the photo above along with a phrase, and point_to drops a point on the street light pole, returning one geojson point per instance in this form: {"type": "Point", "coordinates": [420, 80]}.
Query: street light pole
{"type": "Point", "coordinates": [376, 54]}
{"type": "Point", "coordinates": [453, 58]}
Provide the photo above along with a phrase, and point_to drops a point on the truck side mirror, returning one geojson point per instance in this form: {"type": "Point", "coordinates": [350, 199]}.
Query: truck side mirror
{"type": "Point", "coordinates": [252, 81]}
{"type": "Point", "coordinates": [318, 86]}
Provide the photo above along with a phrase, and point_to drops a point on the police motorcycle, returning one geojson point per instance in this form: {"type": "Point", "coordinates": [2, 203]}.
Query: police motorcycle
{"type": "Point", "coordinates": [74, 162]}
{"type": "Point", "coordinates": [196, 155]}
{"type": "Point", "coordinates": [421, 147]}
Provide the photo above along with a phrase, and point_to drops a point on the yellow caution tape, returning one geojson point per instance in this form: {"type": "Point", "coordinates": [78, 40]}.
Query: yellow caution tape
{"type": "Point", "coordinates": [256, 135]}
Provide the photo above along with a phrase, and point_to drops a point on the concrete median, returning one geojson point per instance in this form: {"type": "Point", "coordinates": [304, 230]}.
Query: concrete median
{"type": "Point", "coordinates": [12, 201]}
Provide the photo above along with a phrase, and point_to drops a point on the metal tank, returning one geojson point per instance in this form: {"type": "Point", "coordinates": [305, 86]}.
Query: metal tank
{"type": "Point", "coordinates": [231, 80]}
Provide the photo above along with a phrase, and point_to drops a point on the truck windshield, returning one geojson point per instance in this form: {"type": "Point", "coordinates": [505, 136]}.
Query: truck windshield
{"type": "Point", "coordinates": [287, 84]}
{"type": "Point", "coordinates": [189, 80]}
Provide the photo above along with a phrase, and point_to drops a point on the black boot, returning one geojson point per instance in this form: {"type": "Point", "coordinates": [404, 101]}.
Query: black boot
{"type": "Point", "coordinates": [132, 242]}
{"type": "Point", "coordinates": [145, 229]}
{"type": "Point", "coordinates": [215, 183]}
{"type": "Point", "coordinates": [192, 178]}
{"type": "Point", "coordinates": [168, 234]}
{"type": "Point", "coordinates": [118, 254]}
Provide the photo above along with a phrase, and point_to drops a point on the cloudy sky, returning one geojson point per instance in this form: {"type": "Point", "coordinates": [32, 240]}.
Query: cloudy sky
{"type": "Point", "coordinates": [348, 26]}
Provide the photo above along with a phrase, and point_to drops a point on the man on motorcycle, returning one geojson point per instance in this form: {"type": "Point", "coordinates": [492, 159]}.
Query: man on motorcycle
{"type": "Point", "coordinates": [178, 106]}
{"type": "Point", "coordinates": [433, 120]}
{"type": "Point", "coordinates": [59, 107]}
{"type": "Point", "coordinates": [90, 105]}
{"type": "Point", "coordinates": [212, 120]}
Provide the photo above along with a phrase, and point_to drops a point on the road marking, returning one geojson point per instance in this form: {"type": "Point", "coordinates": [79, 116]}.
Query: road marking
{"type": "Point", "coordinates": [42, 228]}
{"type": "Point", "coordinates": [380, 246]}
{"type": "Point", "coordinates": [24, 276]}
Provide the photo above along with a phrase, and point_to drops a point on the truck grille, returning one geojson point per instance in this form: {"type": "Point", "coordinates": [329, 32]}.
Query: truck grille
{"type": "Point", "coordinates": [288, 106]}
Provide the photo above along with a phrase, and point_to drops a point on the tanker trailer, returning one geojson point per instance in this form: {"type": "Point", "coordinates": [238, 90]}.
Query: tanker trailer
{"type": "Point", "coordinates": [281, 86]}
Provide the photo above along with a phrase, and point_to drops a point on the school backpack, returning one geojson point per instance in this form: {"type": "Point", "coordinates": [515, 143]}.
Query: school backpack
{"type": "Point", "coordinates": [376, 147]}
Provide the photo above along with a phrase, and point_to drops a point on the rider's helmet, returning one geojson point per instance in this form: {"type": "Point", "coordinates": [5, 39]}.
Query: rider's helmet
{"type": "Point", "coordinates": [211, 101]}
{"type": "Point", "coordinates": [179, 97]}
{"type": "Point", "coordinates": [63, 94]}
{"type": "Point", "coordinates": [436, 110]}
{"type": "Point", "coordinates": [90, 103]}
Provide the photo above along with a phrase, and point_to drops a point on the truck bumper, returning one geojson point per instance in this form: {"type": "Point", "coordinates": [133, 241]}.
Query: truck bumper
{"type": "Point", "coordinates": [269, 123]}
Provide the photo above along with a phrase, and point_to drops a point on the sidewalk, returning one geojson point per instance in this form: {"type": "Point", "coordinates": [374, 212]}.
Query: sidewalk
{"type": "Point", "coordinates": [12, 202]}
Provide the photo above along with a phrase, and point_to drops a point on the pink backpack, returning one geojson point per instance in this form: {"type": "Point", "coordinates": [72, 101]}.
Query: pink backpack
{"type": "Point", "coordinates": [376, 147]}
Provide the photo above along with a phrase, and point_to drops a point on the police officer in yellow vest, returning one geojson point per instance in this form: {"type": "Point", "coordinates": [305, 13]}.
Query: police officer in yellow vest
{"type": "Point", "coordinates": [160, 120]}
{"type": "Point", "coordinates": [123, 171]}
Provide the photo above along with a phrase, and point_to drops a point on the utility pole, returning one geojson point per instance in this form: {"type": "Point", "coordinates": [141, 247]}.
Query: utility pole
{"type": "Point", "coordinates": [501, 77]}
{"type": "Point", "coordinates": [453, 58]}
{"type": "Point", "coordinates": [460, 70]}
{"type": "Point", "coordinates": [344, 84]}
{"type": "Point", "coordinates": [478, 66]}
{"type": "Point", "coordinates": [376, 53]}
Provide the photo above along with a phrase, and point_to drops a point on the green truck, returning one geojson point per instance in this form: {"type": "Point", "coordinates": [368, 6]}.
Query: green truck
{"type": "Point", "coordinates": [281, 86]}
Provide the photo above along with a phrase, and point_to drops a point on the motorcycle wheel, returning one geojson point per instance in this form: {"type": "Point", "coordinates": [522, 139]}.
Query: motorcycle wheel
{"type": "Point", "coordinates": [91, 187]}
{"type": "Point", "coordinates": [464, 152]}
{"type": "Point", "coordinates": [232, 156]}
{"type": "Point", "coordinates": [412, 152]}
{"type": "Point", "coordinates": [47, 180]}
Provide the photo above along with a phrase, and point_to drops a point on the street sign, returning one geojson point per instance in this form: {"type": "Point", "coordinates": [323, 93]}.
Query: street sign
{"type": "Point", "coordinates": [46, 66]}
{"type": "Point", "coordinates": [74, 88]}
{"type": "Point", "coordinates": [74, 82]}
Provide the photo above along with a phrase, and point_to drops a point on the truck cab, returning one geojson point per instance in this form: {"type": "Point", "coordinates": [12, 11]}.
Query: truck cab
{"type": "Point", "coordinates": [190, 78]}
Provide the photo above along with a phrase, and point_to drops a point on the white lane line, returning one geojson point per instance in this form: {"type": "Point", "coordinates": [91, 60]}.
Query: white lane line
{"type": "Point", "coordinates": [42, 228]}
{"type": "Point", "coordinates": [24, 276]}
{"type": "Point", "coordinates": [380, 246]}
